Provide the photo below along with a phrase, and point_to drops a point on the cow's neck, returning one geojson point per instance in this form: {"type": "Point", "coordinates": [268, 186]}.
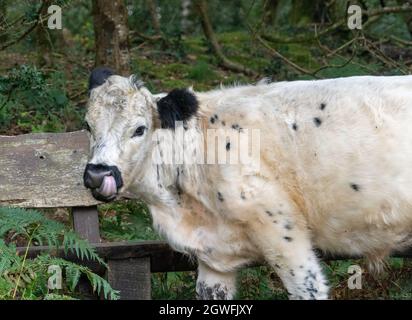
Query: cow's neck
{"type": "Point", "coordinates": [163, 184]}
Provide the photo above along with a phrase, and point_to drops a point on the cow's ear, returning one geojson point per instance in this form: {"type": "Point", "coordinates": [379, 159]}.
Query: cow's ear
{"type": "Point", "coordinates": [98, 76]}
{"type": "Point", "coordinates": [178, 105]}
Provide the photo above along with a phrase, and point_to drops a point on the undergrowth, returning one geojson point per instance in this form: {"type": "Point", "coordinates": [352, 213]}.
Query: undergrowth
{"type": "Point", "coordinates": [24, 277]}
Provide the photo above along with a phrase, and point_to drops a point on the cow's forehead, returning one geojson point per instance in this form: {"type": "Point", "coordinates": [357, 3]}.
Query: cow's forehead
{"type": "Point", "coordinates": [118, 95]}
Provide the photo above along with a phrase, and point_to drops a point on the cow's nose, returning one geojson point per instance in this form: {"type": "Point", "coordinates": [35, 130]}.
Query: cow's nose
{"type": "Point", "coordinates": [94, 175]}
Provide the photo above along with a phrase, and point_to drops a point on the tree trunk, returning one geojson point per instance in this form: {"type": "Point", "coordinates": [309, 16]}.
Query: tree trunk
{"type": "Point", "coordinates": [111, 35]}
{"type": "Point", "coordinates": [43, 38]}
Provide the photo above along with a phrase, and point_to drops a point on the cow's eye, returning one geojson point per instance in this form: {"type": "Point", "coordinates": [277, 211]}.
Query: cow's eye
{"type": "Point", "coordinates": [87, 127]}
{"type": "Point", "coordinates": [139, 131]}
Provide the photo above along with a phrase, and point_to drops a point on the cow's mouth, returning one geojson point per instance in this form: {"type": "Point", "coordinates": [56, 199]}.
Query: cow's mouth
{"type": "Point", "coordinates": [107, 190]}
{"type": "Point", "coordinates": [104, 181]}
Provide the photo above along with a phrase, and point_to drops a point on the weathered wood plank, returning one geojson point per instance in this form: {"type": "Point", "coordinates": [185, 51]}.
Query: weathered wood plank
{"type": "Point", "coordinates": [131, 277]}
{"type": "Point", "coordinates": [86, 223]}
{"type": "Point", "coordinates": [163, 258]}
{"type": "Point", "coordinates": [44, 170]}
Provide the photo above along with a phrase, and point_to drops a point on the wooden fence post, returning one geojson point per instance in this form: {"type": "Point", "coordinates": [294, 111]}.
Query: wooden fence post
{"type": "Point", "coordinates": [132, 277]}
{"type": "Point", "coordinates": [86, 223]}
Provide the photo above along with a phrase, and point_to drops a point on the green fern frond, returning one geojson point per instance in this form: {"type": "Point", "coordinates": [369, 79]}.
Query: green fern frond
{"type": "Point", "coordinates": [8, 256]}
{"type": "Point", "coordinates": [30, 223]}
{"type": "Point", "coordinates": [72, 277]}
{"type": "Point", "coordinates": [72, 242]}
{"type": "Point", "coordinates": [99, 284]}
{"type": "Point", "coordinates": [28, 277]}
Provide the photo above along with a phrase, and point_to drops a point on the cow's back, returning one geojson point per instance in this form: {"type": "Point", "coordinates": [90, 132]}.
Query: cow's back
{"type": "Point", "coordinates": [353, 155]}
{"type": "Point", "coordinates": [346, 144]}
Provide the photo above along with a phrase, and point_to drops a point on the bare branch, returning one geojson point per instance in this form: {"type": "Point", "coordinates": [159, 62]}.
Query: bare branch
{"type": "Point", "coordinates": [146, 37]}
{"type": "Point", "coordinates": [376, 52]}
{"type": "Point", "coordinates": [283, 58]}
{"type": "Point", "coordinates": [38, 19]}
{"type": "Point", "coordinates": [28, 31]}
{"type": "Point", "coordinates": [217, 50]}
{"type": "Point", "coordinates": [373, 14]}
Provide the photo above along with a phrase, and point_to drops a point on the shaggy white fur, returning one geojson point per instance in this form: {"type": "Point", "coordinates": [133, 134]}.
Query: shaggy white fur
{"type": "Point", "coordinates": [335, 173]}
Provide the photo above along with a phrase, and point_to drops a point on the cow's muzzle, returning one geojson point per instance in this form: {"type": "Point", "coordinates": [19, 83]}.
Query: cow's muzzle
{"type": "Point", "coordinates": [103, 180]}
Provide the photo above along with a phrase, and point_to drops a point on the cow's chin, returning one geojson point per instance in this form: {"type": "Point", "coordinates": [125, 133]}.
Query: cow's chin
{"type": "Point", "coordinates": [101, 197]}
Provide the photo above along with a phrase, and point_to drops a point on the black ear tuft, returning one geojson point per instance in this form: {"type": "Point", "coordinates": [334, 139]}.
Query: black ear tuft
{"type": "Point", "coordinates": [178, 105]}
{"type": "Point", "coordinates": [98, 76]}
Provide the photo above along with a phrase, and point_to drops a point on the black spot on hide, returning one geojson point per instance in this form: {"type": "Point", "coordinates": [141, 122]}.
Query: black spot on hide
{"type": "Point", "coordinates": [270, 214]}
{"type": "Point", "coordinates": [220, 196]}
{"type": "Point", "coordinates": [355, 187]}
{"type": "Point", "coordinates": [217, 292]}
{"type": "Point", "coordinates": [317, 121]}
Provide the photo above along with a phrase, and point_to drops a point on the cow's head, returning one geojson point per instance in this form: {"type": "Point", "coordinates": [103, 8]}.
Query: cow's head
{"type": "Point", "coordinates": [122, 116]}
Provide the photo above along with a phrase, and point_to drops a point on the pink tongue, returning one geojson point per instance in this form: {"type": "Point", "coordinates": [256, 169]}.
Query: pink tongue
{"type": "Point", "coordinates": [108, 187]}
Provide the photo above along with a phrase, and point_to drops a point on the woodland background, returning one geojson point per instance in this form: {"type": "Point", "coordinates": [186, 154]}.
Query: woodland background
{"type": "Point", "coordinates": [179, 43]}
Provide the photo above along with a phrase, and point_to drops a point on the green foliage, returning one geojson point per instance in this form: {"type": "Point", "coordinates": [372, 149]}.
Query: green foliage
{"type": "Point", "coordinates": [33, 101]}
{"type": "Point", "coordinates": [129, 220]}
{"type": "Point", "coordinates": [24, 278]}
{"type": "Point", "coordinates": [174, 285]}
{"type": "Point", "coordinates": [260, 283]}
{"type": "Point", "coordinates": [201, 71]}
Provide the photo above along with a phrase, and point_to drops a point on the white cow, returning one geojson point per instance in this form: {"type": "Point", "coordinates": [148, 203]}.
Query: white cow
{"type": "Point", "coordinates": [335, 172]}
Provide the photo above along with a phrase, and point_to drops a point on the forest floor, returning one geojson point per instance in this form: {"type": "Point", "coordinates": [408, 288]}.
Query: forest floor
{"type": "Point", "coordinates": [182, 64]}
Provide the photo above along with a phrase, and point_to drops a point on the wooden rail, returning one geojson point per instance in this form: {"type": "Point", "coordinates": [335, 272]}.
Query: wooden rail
{"type": "Point", "coordinates": [162, 257]}
{"type": "Point", "coordinates": [45, 171]}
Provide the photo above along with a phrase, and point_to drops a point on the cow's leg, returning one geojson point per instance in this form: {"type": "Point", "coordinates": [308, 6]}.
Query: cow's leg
{"type": "Point", "coordinates": [301, 274]}
{"type": "Point", "coordinates": [287, 248]}
{"type": "Point", "coordinates": [213, 285]}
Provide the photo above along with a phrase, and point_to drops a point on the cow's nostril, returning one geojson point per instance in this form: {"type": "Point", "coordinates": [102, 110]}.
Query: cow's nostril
{"type": "Point", "coordinates": [94, 175]}
{"type": "Point", "coordinates": [95, 179]}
